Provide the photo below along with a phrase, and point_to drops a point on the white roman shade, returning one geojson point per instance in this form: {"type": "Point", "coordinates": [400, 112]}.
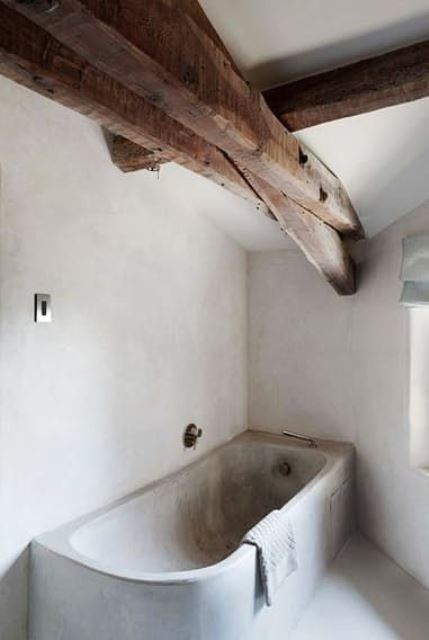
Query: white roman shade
{"type": "Point", "coordinates": [415, 270]}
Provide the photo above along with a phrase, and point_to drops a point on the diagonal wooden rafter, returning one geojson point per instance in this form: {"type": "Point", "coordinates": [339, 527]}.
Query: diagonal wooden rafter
{"type": "Point", "coordinates": [394, 78]}
{"type": "Point", "coordinates": [141, 45]}
{"type": "Point", "coordinates": [383, 81]}
{"type": "Point", "coordinates": [129, 156]}
{"type": "Point", "coordinates": [320, 244]}
{"type": "Point", "coordinates": [318, 241]}
{"type": "Point", "coordinates": [32, 57]}
{"type": "Point", "coordinates": [193, 11]}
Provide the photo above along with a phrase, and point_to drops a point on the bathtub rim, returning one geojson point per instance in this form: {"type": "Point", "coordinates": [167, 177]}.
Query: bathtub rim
{"type": "Point", "coordinates": [58, 540]}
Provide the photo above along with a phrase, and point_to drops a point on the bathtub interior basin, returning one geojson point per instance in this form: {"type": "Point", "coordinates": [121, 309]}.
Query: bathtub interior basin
{"type": "Point", "coordinates": [198, 516]}
{"type": "Point", "coordinates": [166, 562]}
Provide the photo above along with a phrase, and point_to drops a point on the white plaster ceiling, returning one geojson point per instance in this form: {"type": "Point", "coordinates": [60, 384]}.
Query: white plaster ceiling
{"type": "Point", "coordinates": [276, 40]}
{"type": "Point", "coordinates": [381, 157]}
{"type": "Point", "coordinates": [236, 217]}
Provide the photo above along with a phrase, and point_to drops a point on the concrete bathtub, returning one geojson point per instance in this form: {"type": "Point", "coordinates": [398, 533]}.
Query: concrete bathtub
{"type": "Point", "coordinates": [166, 563]}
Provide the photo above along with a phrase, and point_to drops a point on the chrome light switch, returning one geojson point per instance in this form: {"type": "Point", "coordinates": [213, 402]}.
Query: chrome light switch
{"type": "Point", "coordinates": [42, 307]}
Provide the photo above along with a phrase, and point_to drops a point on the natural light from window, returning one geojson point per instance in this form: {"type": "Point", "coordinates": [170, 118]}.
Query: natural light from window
{"type": "Point", "coordinates": [419, 388]}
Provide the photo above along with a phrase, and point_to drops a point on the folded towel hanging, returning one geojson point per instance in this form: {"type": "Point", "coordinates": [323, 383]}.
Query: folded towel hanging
{"type": "Point", "coordinates": [274, 539]}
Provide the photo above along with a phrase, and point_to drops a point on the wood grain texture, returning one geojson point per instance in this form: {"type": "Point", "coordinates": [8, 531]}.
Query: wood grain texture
{"type": "Point", "coordinates": [129, 156]}
{"type": "Point", "coordinates": [152, 48]}
{"type": "Point", "coordinates": [193, 11]}
{"type": "Point", "coordinates": [384, 81]}
{"type": "Point", "coordinates": [33, 58]}
{"type": "Point", "coordinates": [321, 244]}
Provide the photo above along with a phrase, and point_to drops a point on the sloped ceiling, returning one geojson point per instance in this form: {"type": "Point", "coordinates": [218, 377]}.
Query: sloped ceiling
{"type": "Point", "coordinates": [276, 40]}
{"type": "Point", "coordinates": [381, 157]}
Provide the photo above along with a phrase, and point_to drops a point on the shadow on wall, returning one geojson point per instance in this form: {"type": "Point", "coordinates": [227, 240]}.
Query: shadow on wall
{"type": "Point", "coordinates": [340, 52]}
{"type": "Point", "coordinates": [14, 600]}
{"type": "Point", "coordinates": [407, 189]}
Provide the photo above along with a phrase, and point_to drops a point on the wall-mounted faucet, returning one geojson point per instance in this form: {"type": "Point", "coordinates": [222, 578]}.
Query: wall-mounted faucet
{"type": "Point", "coordinates": [310, 441]}
{"type": "Point", "coordinates": [191, 435]}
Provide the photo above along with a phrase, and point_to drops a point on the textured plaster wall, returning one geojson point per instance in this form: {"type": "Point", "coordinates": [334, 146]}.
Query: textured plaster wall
{"type": "Point", "coordinates": [149, 330]}
{"type": "Point", "coordinates": [149, 333]}
{"type": "Point", "coordinates": [352, 368]}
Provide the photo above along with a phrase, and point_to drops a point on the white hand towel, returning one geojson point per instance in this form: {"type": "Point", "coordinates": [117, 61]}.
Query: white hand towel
{"type": "Point", "coordinates": [274, 538]}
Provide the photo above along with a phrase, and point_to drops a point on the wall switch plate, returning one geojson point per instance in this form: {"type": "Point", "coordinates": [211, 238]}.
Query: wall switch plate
{"type": "Point", "coordinates": [42, 307]}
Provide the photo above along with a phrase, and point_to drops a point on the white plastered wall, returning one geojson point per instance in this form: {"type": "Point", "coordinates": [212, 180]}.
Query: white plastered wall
{"type": "Point", "coordinates": [148, 332]}
{"type": "Point", "coordinates": [342, 368]}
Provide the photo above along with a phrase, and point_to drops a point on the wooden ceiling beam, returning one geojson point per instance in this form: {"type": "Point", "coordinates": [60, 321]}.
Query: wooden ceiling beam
{"type": "Point", "coordinates": [321, 244]}
{"type": "Point", "coordinates": [129, 156]}
{"type": "Point", "coordinates": [33, 58]}
{"type": "Point", "coordinates": [384, 81]}
{"type": "Point", "coordinates": [193, 11]}
{"type": "Point", "coordinates": [157, 52]}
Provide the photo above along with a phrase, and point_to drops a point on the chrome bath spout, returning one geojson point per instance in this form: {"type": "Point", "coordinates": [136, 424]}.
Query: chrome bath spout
{"type": "Point", "coordinates": [310, 441]}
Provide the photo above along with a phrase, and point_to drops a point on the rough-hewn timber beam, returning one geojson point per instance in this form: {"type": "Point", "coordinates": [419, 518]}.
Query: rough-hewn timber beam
{"type": "Point", "coordinates": [129, 156]}
{"type": "Point", "coordinates": [33, 58]}
{"type": "Point", "coordinates": [393, 78]}
{"type": "Point", "coordinates": [320, 243]}
{"type": "Point", "coordinates": [151, 47]}
{"type": "Point", "coordinates": [193, 11]}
